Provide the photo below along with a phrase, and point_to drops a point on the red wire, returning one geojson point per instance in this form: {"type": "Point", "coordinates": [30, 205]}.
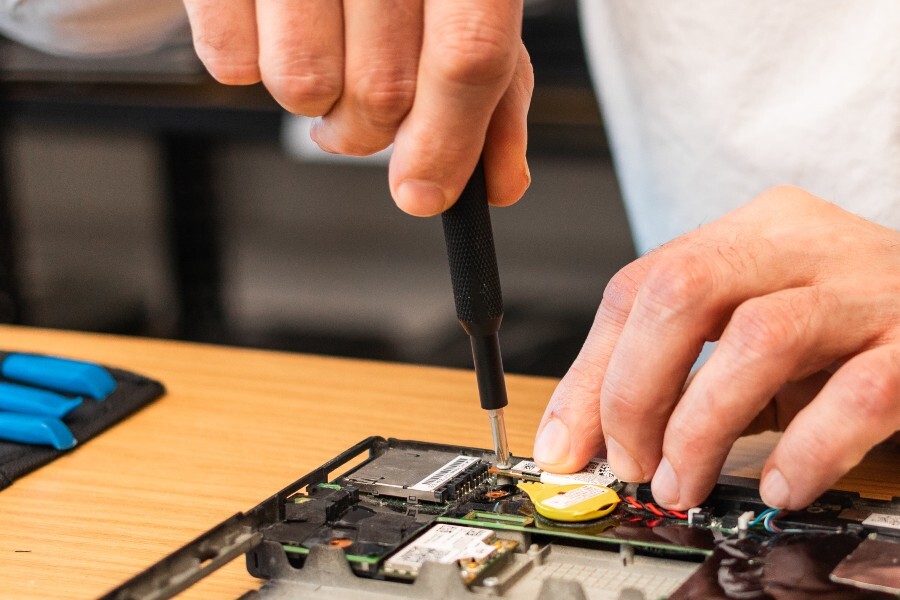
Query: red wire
{"type": "Point", "coordinates": [652, 508]}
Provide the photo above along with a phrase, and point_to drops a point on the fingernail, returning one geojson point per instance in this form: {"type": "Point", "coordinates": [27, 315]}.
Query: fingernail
{"type": "Point", "coordinates": [553, 443]}
{"type": "Point", "coordinates": [315, 132]}
{"type": "Point", "coordinates": [420, 198]}
{"type": "Point", "coordinates": [665, 484]}
{"type": "Point", "coordinates": [314, 126]}
{"type": "Point", "coordinates": [774, 490]}
{"type": "Point", "coordinates": [626, 468]}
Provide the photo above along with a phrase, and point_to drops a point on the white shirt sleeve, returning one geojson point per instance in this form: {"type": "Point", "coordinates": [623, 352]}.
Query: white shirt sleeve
{"type": "Point", "coordinates": [94, 27]}
{"type": "Point", "coordinates": [710, 102]}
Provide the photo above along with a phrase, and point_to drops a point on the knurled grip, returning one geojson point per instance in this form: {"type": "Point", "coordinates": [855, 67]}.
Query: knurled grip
{"type": "Point", "coordinates": [470, 250]}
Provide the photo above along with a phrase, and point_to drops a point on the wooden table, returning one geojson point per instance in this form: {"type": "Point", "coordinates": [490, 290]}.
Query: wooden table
{"type": "Point", "coordinates": [236, 426]}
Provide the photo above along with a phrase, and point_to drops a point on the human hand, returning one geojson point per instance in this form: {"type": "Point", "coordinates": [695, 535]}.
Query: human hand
{"type": "Point", "coordinates": [803, 299]}
{"type": "Point", "coordinates": [440, 80]}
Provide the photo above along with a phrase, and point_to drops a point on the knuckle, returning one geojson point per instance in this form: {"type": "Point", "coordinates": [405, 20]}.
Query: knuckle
{"type": "Point", "coordinates": [685, 437]}
{"type": "Point", "coordinates": [524, 75]}
{"type": "Point", "coordinates": [474, 52]}
{"type": "Point", "coordinates": [778, 196]}
{"type": "Point", "coordinates": [777, 193]}
{"type": "Point", "coordinates": [618, 403]}
{"type": "Point", "coordinates": [384, 100]}
{"type": "Point", "coordinates": [676, 285]}
{"type": "Point", "coordinates": [812, 453]}
{"type": "Point", "coordinates": [781, 190]}
{"type": "Point", "coordinates": [583, 379]}
{"type": "Point", "coordinates": [305, 86]}
{"type": "Point", "coordinates": [577, 395]}
{"type": "Point", "coordinates": [620, 292]}
{"type": "Point", "coordinates": [874, 391]}
{"type": "Point", "coordinates": [760, 328]}
{"type": "Point", "coordinates": [691, 446]}
{"type": "Point", "coordinates": [740, 257]}
{"type": "Point", "coordinates": [209, 42]}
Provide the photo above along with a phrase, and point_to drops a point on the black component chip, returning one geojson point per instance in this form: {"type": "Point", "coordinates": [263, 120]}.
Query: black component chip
{"type": "Point", "coordinates": [323, 503]}
{"type": "Point", "coordinates": [420, 475]}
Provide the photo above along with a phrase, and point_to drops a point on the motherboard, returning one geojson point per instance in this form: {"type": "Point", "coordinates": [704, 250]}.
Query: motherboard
{"type": "Point", "coordinates": [420, 520]}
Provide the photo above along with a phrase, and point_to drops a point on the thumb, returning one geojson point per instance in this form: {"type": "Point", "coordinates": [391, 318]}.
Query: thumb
{"type": "Point", "coordinates": [570, 433]}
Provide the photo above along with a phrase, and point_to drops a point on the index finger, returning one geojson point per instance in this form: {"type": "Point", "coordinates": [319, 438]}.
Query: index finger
{"type": "Point", "coordinates": [570, 433]}
{"type": "Point", "coordinates": [469, 52]}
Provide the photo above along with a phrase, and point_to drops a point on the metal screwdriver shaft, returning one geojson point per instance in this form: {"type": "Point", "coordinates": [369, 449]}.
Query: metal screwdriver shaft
{"type": "Point", "coordinates": [498, 435]}
{"type": "Point", "coordinates": [479, 302]}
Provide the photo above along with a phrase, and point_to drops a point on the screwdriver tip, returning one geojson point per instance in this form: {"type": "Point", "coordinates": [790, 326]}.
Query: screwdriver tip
{"type": "Point", "coordinates": [498, 433]}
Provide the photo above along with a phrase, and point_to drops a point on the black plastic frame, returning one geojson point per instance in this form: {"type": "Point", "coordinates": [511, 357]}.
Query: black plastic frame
{"type": "Point", "coordinates": [237, 535]}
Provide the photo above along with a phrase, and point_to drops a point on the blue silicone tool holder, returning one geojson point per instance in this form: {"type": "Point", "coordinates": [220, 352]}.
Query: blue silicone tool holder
{"type": "Point", "coordinates": [33, 429]}
{"type": "Point", "coordinates": [59, 374]}
{"type": "Point", "coordinates": [33, 401]}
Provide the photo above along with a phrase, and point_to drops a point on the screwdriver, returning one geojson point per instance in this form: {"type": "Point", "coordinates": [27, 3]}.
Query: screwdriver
{"type": "Point", "coordinates": [479, 302]}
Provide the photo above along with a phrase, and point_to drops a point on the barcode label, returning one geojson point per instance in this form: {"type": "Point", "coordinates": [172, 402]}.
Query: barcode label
{"type": "Point", "coordinates": [882, 520]}
{"type": "Point", "coordinates": [445, 544]}
{"type": "Point", "coordinates": [445, 474]}
{"type": "Point", "coordinates": [597, 472]}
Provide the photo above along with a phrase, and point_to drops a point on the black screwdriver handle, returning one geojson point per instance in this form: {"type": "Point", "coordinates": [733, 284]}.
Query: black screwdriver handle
{"type": "Point", "coordinates": [473, 260]}
{"type": "Point", "coordinates": [476, 285]}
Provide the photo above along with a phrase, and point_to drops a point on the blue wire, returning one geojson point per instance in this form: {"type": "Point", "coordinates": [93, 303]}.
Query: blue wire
{"type": "Point", "coordinates": [767, 521]}
{"type": "Point", "coordinates": [767, 518]}
{"type": "Point", "coordinates": [762, 516]}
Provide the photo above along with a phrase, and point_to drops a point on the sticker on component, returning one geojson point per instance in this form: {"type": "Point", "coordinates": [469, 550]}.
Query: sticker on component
{"type": "Point", "coordinates": [474, 548]}
{"type": "Point", "coordinates": [597, 472]}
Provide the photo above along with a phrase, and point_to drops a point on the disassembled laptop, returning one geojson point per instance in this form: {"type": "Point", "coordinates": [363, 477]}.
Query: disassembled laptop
{"type": "Point", "coordinates": [420, 520]}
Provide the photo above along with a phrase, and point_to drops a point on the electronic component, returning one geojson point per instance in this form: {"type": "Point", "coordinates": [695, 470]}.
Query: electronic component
{"type": "Point", "coordinates": [883, 522]}
{"type": "Point", "coordinates": [526, 468]}
{"type": "Point", "coordinates": [331, 501]}
{"type": "Point", "coordinates": [697, 517]}
{"type": "Point", "coordinates": [596, 472]}
{"type": "Point", "coordinates": [473, 548]}
{"type": "Point", "coordinates": [330, 533]}
{"type": "Point", "coordinates": [874, 565]}
{"type": "Point", "coordinates": [570, 503]}
{"type": "Point", "coordinates": [743, 522]}
{"type": "Point", "coordinates": [426, 475]}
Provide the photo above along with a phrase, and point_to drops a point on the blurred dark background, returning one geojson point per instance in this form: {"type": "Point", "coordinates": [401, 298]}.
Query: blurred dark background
{"type": "Point", "coordinates": [138, 196]}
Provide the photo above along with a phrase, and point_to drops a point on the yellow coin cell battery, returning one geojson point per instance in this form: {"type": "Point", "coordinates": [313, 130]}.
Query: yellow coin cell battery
{"type": "Point", "coordinates": [572, 502]}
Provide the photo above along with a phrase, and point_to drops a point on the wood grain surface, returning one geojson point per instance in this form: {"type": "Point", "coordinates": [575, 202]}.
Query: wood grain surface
{"type": "Point", "coordinates": [236, 426]}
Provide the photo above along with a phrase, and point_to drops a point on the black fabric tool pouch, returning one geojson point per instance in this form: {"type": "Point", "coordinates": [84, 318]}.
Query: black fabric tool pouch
{"type": "Point", "coordinates": [93, 417]}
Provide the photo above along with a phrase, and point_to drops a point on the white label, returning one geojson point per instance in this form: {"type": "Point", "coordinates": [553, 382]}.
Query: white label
{"type": "Point", "coordinates": [444, 543]}
{"type": "Point", "coordinates": [526, 466]}
{"type": "Point", "coordinates": [445, 474]}
{"type": "Point", "coordinates": [573, 497]}
{"type": "Point", "coordinates": [883, 520]}
{"type": "Point", "coordinates": [597, 472]}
